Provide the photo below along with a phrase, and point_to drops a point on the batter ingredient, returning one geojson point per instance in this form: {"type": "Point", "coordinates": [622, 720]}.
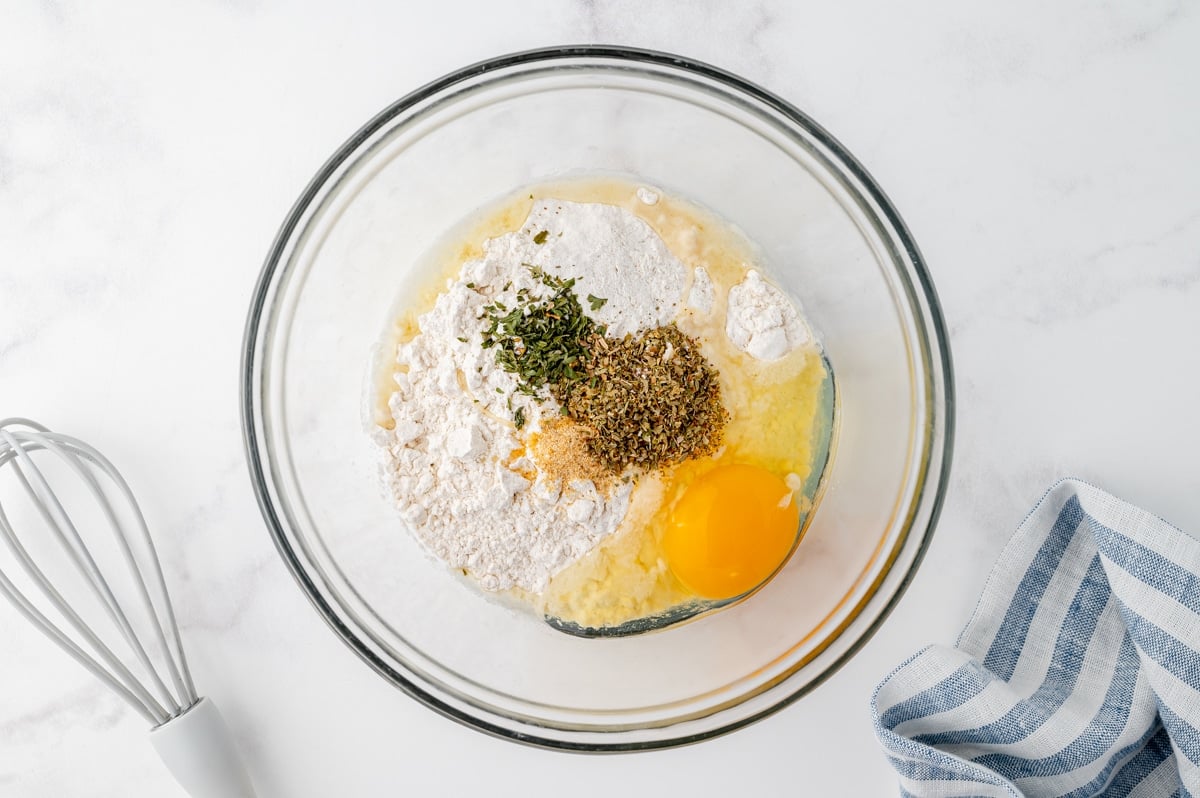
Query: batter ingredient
{"type": "Point", "coordinates": [652, 398]}
{"type": "Point", "coordinates": [587, 421]}
{"type": "Point", "coordinates": [611, 254]}
{"type": "Point", "coordinates": [562, 450]}
{"type": "Point", "coordinates": [645, 400]}
{"type": "Point", "coordinates": [457, 465]}
{"type": "Point", "coordinates": [775, 410]}
{"type": "Point", "coordinates": [702, 294]}
{"type": "Point", "coordinates": [542, 339]}
{"type": "Point", "coordinates": [762, 321]}
{"type": "Point", "coordinates": [707, 541]}
{"type": "Point", "coordinates": [499, 520]}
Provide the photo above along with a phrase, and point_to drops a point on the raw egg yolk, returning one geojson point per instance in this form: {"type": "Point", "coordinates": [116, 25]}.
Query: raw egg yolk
{"type": "Point", "coordinates": [730, 530]}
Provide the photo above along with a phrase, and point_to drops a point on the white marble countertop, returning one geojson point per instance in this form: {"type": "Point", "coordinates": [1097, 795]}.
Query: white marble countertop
{"type": "Point", "coordinates": [1043, 154]}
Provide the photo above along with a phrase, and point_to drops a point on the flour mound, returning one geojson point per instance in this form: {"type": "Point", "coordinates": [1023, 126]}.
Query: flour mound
{"type": "Point", "coordinates": [454, 460]}
{"type": "Point", "coordinates": [762, 321]}
{"type": "Point", "coordinates": [612, 254]}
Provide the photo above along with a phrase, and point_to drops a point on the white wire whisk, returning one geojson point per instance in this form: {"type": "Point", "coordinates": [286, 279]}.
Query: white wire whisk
{"type": "Point", "coordinates": [187, 731]}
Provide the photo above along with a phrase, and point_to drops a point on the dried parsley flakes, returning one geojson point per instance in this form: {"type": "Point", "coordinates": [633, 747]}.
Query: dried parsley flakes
{"type": "Point", "coordinates": [541, 339]}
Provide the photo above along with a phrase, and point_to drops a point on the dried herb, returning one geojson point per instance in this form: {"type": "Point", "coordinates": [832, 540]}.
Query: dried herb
{"type": "Point", "coordinates": [541, 237]}
{"type": "Point", "coordinates": [652, 398]}
{"type": "Point", "coordinates": [541, 339]}
{"type": "Point", "coordinates": [648, 400]}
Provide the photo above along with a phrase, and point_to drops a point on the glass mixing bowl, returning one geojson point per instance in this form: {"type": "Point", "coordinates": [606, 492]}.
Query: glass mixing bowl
{"type": "Point", "coordinates": [826, 232]}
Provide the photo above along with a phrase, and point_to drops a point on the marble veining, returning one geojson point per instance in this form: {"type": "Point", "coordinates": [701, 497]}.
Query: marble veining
{"type": "Point", "coordinates": [1042, 295]}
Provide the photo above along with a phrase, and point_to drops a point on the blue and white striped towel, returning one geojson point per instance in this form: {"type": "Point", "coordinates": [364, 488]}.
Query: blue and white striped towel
{"type": "Point", "coordinates": [1078, 674]}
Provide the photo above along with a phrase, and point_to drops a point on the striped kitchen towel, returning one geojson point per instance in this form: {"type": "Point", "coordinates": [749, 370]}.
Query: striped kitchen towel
{"type": "Point", "coordinates": [1078, 674]}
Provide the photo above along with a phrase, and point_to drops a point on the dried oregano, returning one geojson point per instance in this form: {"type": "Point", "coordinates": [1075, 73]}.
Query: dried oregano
{"type": "Point", "coordinates": [652, 398]}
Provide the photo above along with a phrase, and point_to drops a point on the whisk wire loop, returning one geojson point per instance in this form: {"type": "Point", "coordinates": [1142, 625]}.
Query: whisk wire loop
{"type": "Point", "coordinates": [15, 448]}
{"type": "Point", "coordinates": [34, 616]}
{"type": "Point", "coordinates": [67, 534]}
{"type": "Point", "coordinates": [176, 665]}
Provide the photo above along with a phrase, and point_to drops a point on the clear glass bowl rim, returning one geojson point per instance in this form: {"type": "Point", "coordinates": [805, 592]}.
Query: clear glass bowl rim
{"type": "Point", "coordinates": [919, 278]}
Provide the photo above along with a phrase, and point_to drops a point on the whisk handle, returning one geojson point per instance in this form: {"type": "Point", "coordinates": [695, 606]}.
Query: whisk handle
{"type": "Point", "coordinates": [198, 750]}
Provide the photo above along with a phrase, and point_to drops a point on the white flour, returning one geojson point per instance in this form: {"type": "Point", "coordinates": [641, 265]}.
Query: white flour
{"type": "Point", "coordinates": [448, 458]}
{"type": "Point", "coordinates": [702, 294]}
{"type": "Point", "coordinates": [762, 321]}
{"type": "Point", "coordinates": [615, 256]}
